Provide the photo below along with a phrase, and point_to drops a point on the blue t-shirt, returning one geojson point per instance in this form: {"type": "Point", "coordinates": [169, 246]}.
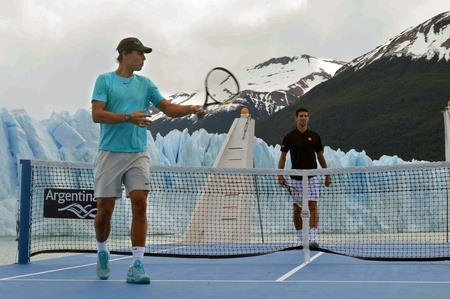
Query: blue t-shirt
{"type": "Point", "coordinates": [124, 95]}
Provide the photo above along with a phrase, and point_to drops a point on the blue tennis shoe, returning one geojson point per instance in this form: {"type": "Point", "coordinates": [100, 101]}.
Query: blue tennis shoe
{"type": "Point", "coordinates": [136, 273]}
{"type": "Point", "coordinates": [103, 264]}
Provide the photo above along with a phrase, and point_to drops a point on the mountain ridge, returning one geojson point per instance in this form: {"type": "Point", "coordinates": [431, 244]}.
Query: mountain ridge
{"type": "Point", "coordinates": [266, 88]}
{"type": "Point", "coordinates": [393, 107]}
{"type": "Point", "coordinates": [425, 40]}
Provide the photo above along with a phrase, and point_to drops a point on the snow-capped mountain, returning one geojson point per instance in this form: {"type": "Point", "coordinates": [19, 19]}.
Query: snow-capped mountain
{"type": "Point", "coordinates": [265, 89]}
{"type": "Point", "coordinates": [272, 85]}
{"type": "Point", "coordinates": [428, 40]}
{"type": "Point", "coordinates": [276, 83]}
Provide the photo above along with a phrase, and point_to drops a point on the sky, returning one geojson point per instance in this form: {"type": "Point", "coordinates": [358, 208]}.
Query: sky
{"type": "Point", "coordinates": [52, 51]}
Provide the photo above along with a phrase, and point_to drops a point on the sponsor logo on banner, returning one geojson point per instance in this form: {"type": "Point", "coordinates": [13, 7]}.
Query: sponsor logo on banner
{"type": "Point", "coordinates": [69, 203]}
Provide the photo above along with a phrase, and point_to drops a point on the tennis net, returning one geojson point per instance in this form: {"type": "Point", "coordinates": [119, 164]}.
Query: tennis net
{"type": "Point", "coordinates": [394, 213]}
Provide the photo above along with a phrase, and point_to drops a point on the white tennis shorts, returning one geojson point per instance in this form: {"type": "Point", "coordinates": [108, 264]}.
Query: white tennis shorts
{"type": "Point", "coordinates": [313, 189]}
{"type": "Point", "coordinates": [112, 170]}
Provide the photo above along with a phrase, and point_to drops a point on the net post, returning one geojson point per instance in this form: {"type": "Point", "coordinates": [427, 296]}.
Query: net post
{"type": "Point", "coordinates": [446, 113]}
{"type": "Point", "coordinates": [305, 219]}
{"type": "Point", "coordinates": [24, 216]}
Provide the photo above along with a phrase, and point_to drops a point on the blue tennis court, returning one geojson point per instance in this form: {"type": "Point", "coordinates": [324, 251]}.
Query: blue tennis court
{"type": "Point", "coordinates": [276, 275]}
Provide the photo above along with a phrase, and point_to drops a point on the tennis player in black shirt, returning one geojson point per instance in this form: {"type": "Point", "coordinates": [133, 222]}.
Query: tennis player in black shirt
{"type": "Point", "coordinates": [305, 148]}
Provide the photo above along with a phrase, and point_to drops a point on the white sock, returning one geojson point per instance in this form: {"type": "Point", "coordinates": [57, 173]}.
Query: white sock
{"type": "Point", "coordinates": [138, 253]}
{"type": "Point", "coordinates": [299, 236]}
{"type": "Point", "coordinates": [102, 246]}
{"type": "Point", "coordinates": [313, 233]}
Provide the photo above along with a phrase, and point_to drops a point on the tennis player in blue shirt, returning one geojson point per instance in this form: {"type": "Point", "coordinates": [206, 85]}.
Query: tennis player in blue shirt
{"type": "Point", "coordinates": [119, 103]}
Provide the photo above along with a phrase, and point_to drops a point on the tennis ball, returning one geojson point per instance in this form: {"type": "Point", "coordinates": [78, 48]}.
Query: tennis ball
{"type": "Point", "coordinates": [244, 110]}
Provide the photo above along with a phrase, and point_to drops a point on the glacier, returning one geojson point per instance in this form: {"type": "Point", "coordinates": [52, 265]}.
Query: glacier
{"type": "Point", "coordinates": [74, 138]}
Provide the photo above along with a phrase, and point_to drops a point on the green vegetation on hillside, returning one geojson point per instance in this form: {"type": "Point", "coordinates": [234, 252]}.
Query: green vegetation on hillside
{"type": "Point", "coordinates": [390, 107]}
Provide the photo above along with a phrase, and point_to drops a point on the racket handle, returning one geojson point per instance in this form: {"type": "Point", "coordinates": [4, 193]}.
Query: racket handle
{"type": "Point", "coordinates": [195, 117]}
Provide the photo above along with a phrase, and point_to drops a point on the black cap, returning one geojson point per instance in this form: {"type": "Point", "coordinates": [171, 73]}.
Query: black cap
{"type": "Point", "coordinates": [132, 43]}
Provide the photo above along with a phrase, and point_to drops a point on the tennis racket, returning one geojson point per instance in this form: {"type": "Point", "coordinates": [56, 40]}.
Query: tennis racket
{"type": "Point", "coordinates": [221, 88]}
{"type": "Point", "coordinates": [295, 194]}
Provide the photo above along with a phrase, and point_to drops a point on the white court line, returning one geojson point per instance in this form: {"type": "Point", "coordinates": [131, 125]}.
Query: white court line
{"type": "Point", "coordinates": [62, 269]}
{"type": "Point", "coordinates": [282, 278]}
{"type": "Point", "coordinates": [57, 270]}
{"type": "Point", "coordinates": [287, 275]}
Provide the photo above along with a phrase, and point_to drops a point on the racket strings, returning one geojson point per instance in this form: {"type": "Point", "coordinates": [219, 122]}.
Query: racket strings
{"type": "Point", "coordinates": [221, 86]}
